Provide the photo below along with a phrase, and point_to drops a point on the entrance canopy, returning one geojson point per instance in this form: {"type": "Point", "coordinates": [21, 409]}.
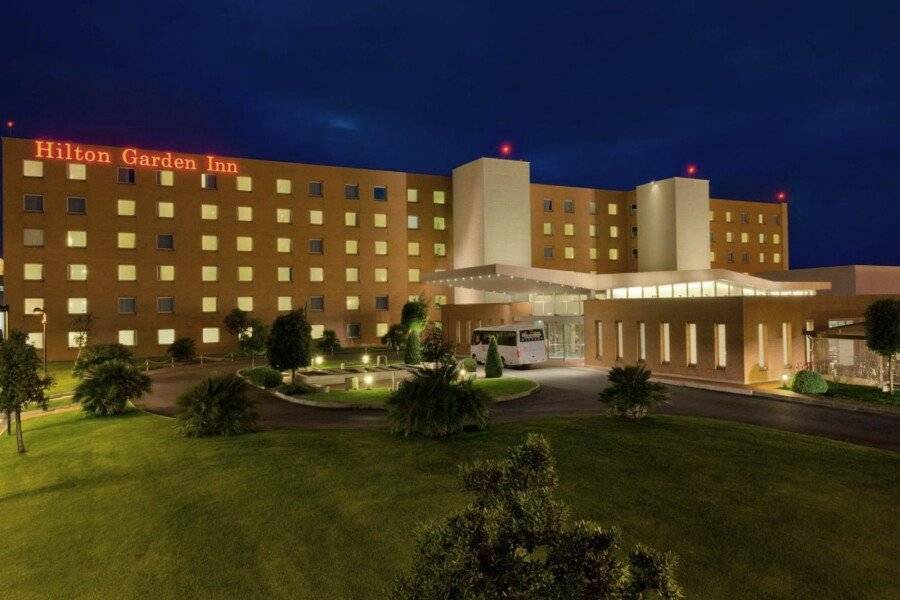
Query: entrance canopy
{"type": "Point", "coordinates": [510, 279]}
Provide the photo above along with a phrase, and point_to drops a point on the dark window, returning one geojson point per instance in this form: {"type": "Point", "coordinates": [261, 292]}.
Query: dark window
{"type": "Point", "coordinates": [208, 181]}
{"type": "Point", "coordinates": [731, 257]}
{"type": "Point", "coordinates": [381, 302]}
{"type": "Point", "coordinates": [548, 205]}
{"type": "Point", "coordinates": [76, 206]}
{"type": "Point", "coordinates": [569, 206]}
{"type": "Point", "coordinates": [165, 304]}
{"type": "Point", "coordinates": [777, 219]}
{"type": "Point", "coordinates": [353, 330]}
{"type": "Point", "coordinates": [548, 251]}
{"type": "Point", "coordinates": [165, 241]}
{"type": "Point", "coordinates": [34, 203]}
{"type": "Point", "coordinates": [505, 338]}
{"type": "Point", "coordinates": [317, 246]}
{"type": "Point", "coordinates": [127, 305]}
{"type": "Point", "coordinates": [634, 232]}
{"type": "Point", "coordinates": [712, 236]}
{"type": "Point", "coordinates": [380, 193]}
{"type": "Point", "coordinates": [317, 303]}
{"type": "Point", "coordinates": [351, 191]}
{"type": "Point", "coordinates": [745, 218]}
{"type": "Point", "coordinates": [634, 252]}
{"type": "Point", "coordinates": [315, 188]}
{"type": "Point", "coordinates": [632, 209]}
{"type": "Point", "coordinates": [126, 175]}
{"type": "Point", "coordinates": [745, 257]}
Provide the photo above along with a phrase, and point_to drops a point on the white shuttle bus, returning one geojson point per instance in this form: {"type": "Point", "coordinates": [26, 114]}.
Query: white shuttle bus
{"type": "Point", "coordinates": [520, 344]}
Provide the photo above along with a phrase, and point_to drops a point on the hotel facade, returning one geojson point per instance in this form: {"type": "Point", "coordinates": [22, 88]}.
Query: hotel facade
{"type": "Point", "coordinates": [161, 245]}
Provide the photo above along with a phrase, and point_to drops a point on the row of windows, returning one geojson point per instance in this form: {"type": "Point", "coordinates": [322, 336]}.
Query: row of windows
{"type": "Point", "coordinates": [569, 253]}
{"type": "Point", "coordinates": [745, 218]}
{"type": "Point", "coordinates": [548, 205]}
{"type": "Point", "coordinates": [745, 257]}
{"type": "Point", "coordinates": [79, 272]}
{"type": "Point", "coordinates": [745, 237]}
{"type": "Point", "coordinates": [569, 230]}
{"type": "Point", "coordinates": [243, 183]}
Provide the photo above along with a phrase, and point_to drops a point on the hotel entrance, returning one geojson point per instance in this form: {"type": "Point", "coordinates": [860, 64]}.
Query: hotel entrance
{"type": "Point", "coordinates": [565, 337]}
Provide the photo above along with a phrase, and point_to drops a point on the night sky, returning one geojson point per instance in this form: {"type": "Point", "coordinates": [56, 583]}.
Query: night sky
{"type": "Point", "coordinates": [799, 96]}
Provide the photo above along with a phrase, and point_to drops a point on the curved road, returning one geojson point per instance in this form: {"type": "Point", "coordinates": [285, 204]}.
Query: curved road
{"type": "Point", "coordinates": [564, 391]}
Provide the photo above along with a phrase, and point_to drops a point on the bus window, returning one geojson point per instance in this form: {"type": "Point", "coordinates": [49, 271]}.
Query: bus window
{"type": "Point", "coordinates": [506, 338]}
{"type": "Point", "coordinates": [531, 335]}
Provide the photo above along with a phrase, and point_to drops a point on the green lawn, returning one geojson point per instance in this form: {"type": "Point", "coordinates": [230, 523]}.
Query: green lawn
{"type": "Point", "coordinates": [126, 508]}
{"type": "Point", "coordinates": [64, 382]}
{"type": "Point", "coordinates": [863, 393]}
{"type": "Point", "coordinates": [378, 396]}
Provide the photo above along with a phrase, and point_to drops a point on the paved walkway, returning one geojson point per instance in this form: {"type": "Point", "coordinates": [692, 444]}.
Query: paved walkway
{"type": "Point", "coordinates": [564, 391]}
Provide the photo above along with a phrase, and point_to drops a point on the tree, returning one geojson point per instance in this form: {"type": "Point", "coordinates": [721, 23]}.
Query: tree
{"type": "Point", "coordinates": [435, 346]}
{"type": "Point", "coordinates": [252, 340]}
{"type": "Point", "coordinates": [328, 342]}
{"type": "Point", "coordinates": [20, 384]}
{"type": "Point", "coordinates": [883, 332]}
{"type": "Point", "coordinates": [395, 338]}
{"type": "Point", "coordinates": [414, 315]}
{"type": "Point", "coordinates": [217, 406]}
{"type": "Point", "coordinates": [433, 404]}
{"type": "Point", "coordinates": [99, 354]}
{"type": "Point", "coordinates": [289, 342]}
{"type": "Point", "coordinates": [106, 388]}
{"type": "Point", "coordinates": [412, 349]}
{"type": "Point", "coordinates": [493, 364]}
{"type": "Point", "coordinates": [632, 394]}
{"type": "Point", "coordinates": [82, 326]}
{"type": "Point", "coordinates": [516, 540]}
{"type": "Point", "coordinates": [236, 323]}
{"type": "Point", "coordinates": [184, 349]}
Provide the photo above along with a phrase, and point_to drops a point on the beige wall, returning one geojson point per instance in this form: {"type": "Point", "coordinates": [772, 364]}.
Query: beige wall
{"type": "Point", "coordinates": [846, 280]}
{"type": "Point", "coordinates": [673, 225]}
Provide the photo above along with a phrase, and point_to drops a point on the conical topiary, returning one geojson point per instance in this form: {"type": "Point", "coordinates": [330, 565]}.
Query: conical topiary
{"type": "Point", "coordinates": [493, 364]}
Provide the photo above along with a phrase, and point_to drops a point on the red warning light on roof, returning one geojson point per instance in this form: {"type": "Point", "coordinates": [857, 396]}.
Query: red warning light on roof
{"type": "Point", "coordinates": [781, 196]}
{"type": "Point", "coordinates": [691, 170]}
{"type": "Point", "coordinates": [506, 149]}
{"type": "Point", "coordinates": [10, 124]}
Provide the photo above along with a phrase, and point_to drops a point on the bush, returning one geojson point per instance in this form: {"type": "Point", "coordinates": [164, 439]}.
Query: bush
{"type": "Point", "coordinates": [433, 404]}
{"type": "Point", "coordinates": [493, 364]}
{"type": "Point", "coordinates": [809, 382]}
{"type": "Point", "coordinates": [183, 350]}
{"type": "Point", "coordinates": [217, 406]}
{"type": "Point", "coordinates": [515, 540]}
{"type": "Point", "coordinates": [293, 389]}
{"type": "Point", "coordinates": [99, 354]}
{"type": "Point", "coordinates": [468, 364]}
{"type": "Point", "coordinates": [267, 377]}
{"type": "Point", "coordinates": [412, 354]}
{"type": "Point", "coordinates": [106, 388]}
{"type": "Point", "coordinates": [632, 394]}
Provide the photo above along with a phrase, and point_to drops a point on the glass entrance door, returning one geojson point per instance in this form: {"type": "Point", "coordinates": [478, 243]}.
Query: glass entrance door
{"type": "Point", "coordinates": [565, 338]}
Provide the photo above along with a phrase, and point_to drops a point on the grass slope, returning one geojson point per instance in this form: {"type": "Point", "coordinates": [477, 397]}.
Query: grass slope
{"type": "Point", "coordinates": [125, 508]}
{"type": "Point", "coordinates": [377, 396]}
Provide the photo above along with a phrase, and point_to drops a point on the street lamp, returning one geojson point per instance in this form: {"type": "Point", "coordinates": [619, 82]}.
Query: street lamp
{"type": "Point", "coordinates": [43, 314]}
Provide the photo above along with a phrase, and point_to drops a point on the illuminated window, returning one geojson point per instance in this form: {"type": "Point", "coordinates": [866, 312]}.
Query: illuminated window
{"type": "Point", "coordinates": [209, 273]}
{"type": "Point", "coordinates": [612, 208]}
{"type": "Point", "coordinates": [412, 248]}
{"type": "Point", "coordinates": [440, 224]}
{"type": "Point", "coordinates": [316, 246]}
{"type": "Point", "coordinates": [35, 339]}
{"type": "Point", "coordinates": [351, 274]}
{"type": "Point", "coordinates": [351, 191]}
{"type": "Point", "coordinates": [439, 197]}
{"type": "Point", "coordinates": [127, 272]}
{"type": "Point", "coordinates": [776, 238]}
{"type": "Point", "coordinates": [665, 354]}
{"type": "Point", "coordinates": [165, 304]}
{"type": "Point", "coordinates": [380, 220]}
{"type": "Point", "coordinates": [440, 299]}
{"type": "Point", "coordinates": [125, 176]}
{"type": "Point", "coordinates": [243, 183]}
{"type": "Point", "coordinates": [613, 231]}
{"type": "Point", "coordinates": [208, 181]}
{"type": "Point", "coordinates": [125, 208]}
{"type": "Point", "coordinates": [209, 304]}
{"type": "Point", "coordinates": [165, 272]}
{"type": "Point", "coordinates": [244, 273]}
{"type": "Point", "coordinates": [786, 346]}
{"type": "Point", "coordinates": [31, 304]}
{"type": "Point", "coordinates": [77, 306]}
{"type": "Point", "coordinates": [75, 272]}
{"type": "Point", "coordinates": [412, 222]}
{"type": "Point", "coordinates": [284, 245]}
{"type": "Point", "coordinates": [745, 237]}
{"type": "Point", "coordinates": [381, 329]}
{"type": "Point", "coordinates": [165, 241]}
{"type": "Point", "coordinates": [165, 178]}
{"type": "Point", "coordinates": [76, 171]}
{"type": "Point", "coordinates": [721, 347]}
{"type": "Point", "coordinates": [712, 216]}
{"type": "Point", "coordinates": [33, 237]}
{"type": "Point", "coordinates": [762, 341]}
{"type": "Point", "coordinates": [440, 249]}
{"type": "Point", "coordinates": [620, 341]}
{"type": "Point", "coordinates": [593, 253]}
{"type": "Point", "coordinates": [414, 275]}
{"type": "Point", "coordinates": [285, 274]}
{"type": "Point", "coordinates": [210, 335]}
{"type": "Point", "coordinates": [315, 217]}
{"type": "Point", "coordinates": [32, 168]}
{"type": "Point", "coordinates": [165, 210]}
{"type": "Point", "coordinates": [642, 341]}
{"type": "Point", "coordinates": [412, 195]}
{"type": "Point", "coordinates": [729, 237]}
{"type": "Point", "coordinates": [776, 258]}
{"type": "Point", "coordinates": [613, 254]}
{"type": "Point", "coordinates": [283, 215]}
{"type": "Point", "coordinates": [244, 243]}
{"type": "Point", "coordinates": [245, 303]}
{"type": "Point", "coordinates": [352, 302]}
{"type": "Point", "coordinates": [245, 213]}
{"type": "Point", "coordinates": [128, 337]}
{"type": "Point", "coordinates": [34, 203]}
{"type": "Point", "coordinates": [761, 238]}
{"type": "Point", "coordinates": [351, 247]}
{"type": "Point", "coordinates": [127, 305]}
{"type": "Point", "coordinates": [77, 339]}
{"type": "Point", "coordinates": [762, 257]}
{"type": "Point", "coordinates": [283, 186]}
{"type": "Point", "coordinates": [380, 193]}
{"type": "Point", "coordinates": [209, 212]}
{"type": "Point", "coordinates": [592, 207]}
{"type": "Point", "coordinates": [569, 252]}
{"type": "Point", "coordinates": [712, 257]}
{"type": "Point", "coordinates": [761, 219]}
{"type": "Point", "coordinates": [548, 228]}
{"type": "Point", "coordinates": [592, 230]}
{"type": "Point", "coordinates": [76, 205]}
{"type": "Point", "coordinates": [569, 229]}
{"type": "Point", "coordinates": [381, 275]}
{"type": "Point", "coordinates": [76, 239]}
{"type": "Point", "coordinates": [728, 216]}
{"type": "Point", "coordinates": [690, 336]}
{"type": "Point", "coordinates": [381, 248]}
{"type": "Point", "coordinates": [285, 303]}
{"type": "Point", "coordinates": [351, 219]}
{"type": "Point", "coordinates": [209, 242]}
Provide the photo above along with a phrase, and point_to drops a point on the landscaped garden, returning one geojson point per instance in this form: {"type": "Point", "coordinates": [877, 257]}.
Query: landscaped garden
{"type": "Point", "coordinates": [126, 507]}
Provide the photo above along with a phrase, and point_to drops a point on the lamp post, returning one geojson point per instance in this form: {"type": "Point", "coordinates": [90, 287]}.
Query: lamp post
{"type": "Point", "coordinates": [43, 314]}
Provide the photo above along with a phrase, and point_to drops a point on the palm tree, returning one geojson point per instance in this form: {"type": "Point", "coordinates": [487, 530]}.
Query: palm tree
{"type": "Point", "coordinates": [632, 394]}
{"type": "Point", "coordinates": [217, 406]}
{"type": "Point", "coordinates": [106, 388]}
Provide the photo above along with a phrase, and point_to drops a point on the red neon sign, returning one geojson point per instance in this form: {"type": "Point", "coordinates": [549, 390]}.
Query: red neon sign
{"type": "Point", "coordinates": [131, 157]}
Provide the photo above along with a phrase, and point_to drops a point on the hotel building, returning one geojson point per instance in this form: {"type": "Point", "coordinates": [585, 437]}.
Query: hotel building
{"type": "Point", "coordinates": [162, 245]}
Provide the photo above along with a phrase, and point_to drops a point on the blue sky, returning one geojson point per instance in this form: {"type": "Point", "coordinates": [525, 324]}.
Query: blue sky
{"type": "Point", "coordinates": [761, 96]}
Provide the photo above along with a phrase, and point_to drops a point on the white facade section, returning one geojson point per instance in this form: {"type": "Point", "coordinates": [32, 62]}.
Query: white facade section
{"type": "Point", "coordinates": [673, 225]}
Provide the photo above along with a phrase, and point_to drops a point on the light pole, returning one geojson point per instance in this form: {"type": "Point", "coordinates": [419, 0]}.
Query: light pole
{"type": "Point", "coordinates": [43, 314]}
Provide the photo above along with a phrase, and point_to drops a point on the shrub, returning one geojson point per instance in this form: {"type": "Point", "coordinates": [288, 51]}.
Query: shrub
{"type": "Point", "coordinates": [412, 354]}
{"type": "Point", "coordinates": [264, 376]}
{"type": "Point", "coordinates": [632, 394]}
{"type": "Point", "coordinates": [293, 389]}
{"type": "Point", "coordinates": [99, 354]}
{"type": "Point", "coordinates": [217, 406]}
{"type": "Point", "coordinates": [183, 350]}
{"type": "Point", "coordinates": [414, 315]}
{"type": "Point", "coordinates": [468, 364]}
{"type": "Point", "coordinates": [433, 404]}
{"type": "Point", "coordinates": [493, 364]}
{"type": "Point", "coordinates": [809, 382]}
{"type": "Point", "coordinates": [515, 540]}
{"type": "Point", "coordinates": [106, 388]}
{"type": "Point", "coordinates": [435, 345]}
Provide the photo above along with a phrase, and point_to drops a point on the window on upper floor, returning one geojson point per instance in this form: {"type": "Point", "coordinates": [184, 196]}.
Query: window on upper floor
{"type": "Point", "coordinates": [165, 178]}
{"type": "Point", "coordinates": [283, 186]}
{"type": "Point", "coordinates": [34, 203]}
{"type": "Point", "coordinates": [351, 191]}
{"type": "Point", "coordinates": [380, 193]}
{"type": "Point", "coordinates": [208, 181]}
{"type": "Point", "coordinates": [125, 176]}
